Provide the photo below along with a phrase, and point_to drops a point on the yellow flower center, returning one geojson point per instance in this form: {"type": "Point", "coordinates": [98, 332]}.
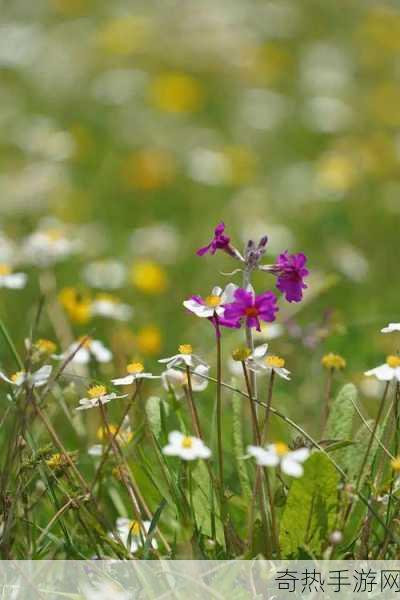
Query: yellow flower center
{"type": "Point", "coordinates": [54, 235]}
{"type": "Point", "coordinates": [134, 368]}
{"type": "Point", "coordinates": [281, 448]}
{"type": "Point", "coordinates": [16, 376]}
{"type": "Point", "coordinates": [46, 346]}
{"type": "Point", "coordinates": [185, 349]}
{"type": "Point", "coordinates": [396, 463]}
{"type": "Point", "coordinates": [107, 298]}
{"type": "Point", "coordinates": [96, 391]}
{"type": "Point", "coordinates": [333, 361]}
{"type": "Point", "coordinates": [56, 460]}
{"type": "Point", "coordinates": [213, 301]}
{"type": "Point", "coordinates": [135, 528]}
{"type": "Point", "coordinates": [241, 354]}
{"type": "Point", "coordinates": [275, 362]}
{"type": "Point", "coordinates": [4, 270]}
{"type": "Point", "coordinates": [393, 361]}
{"type": "Point", "coordinates": [187, 442]}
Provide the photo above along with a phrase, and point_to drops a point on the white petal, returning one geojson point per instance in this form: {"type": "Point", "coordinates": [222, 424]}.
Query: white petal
{"type": "Point", "coordinates": [198, 309]}
{"type": "Point", "coordinates": [82, 357]}
{"type": "Point", "coordinates": [124, 380]}
{"type": "Point", "coordinates": [265, 458]}
{"type": "Point", "coordinates": [5, 378]}
{"type": "Point", "coordinates": [391, 327]}
{"type": "Point", "coordinates": [42, 375]}
{"type": "Point", "coordinates": [291, 467]}
{"type": "Point", "coordinates": [175, 437]}
{"type": "Point", "coordinates": [284, 373]}
{"type": "Point", "coordinates": [15, 281]}
{"type": "Point", "coordinates": [228, 293]}
{"type": "Point", "coordinates": [260, 351]}
{"type": "Point", "coordinates": [100, 352]}
{"type": "Point", "coordinates": [383, 373]}
{"type": "Point", "coordinates": [216, 291]}
{"type": "Point", "coordinates": [299, 455]}
{"type": "Point", "coordinates": [167, 360]}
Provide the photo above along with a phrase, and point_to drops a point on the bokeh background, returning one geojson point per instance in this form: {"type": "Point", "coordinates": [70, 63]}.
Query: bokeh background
{"type": "Point", "coordinates": [143, 124]}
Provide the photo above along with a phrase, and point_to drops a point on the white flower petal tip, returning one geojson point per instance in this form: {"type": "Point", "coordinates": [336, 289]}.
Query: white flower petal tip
{"type": "Point", "coordinates": [391, 328]}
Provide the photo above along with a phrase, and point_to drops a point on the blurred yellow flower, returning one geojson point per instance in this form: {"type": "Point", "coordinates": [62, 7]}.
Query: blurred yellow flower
{"type": "Point", "coordinates": [124, 36]}
{"type": "Point", "coordinates": [242, 162]}
{"type": "Point", "coordinates": [70, 7]}
{"type": "Point", "coordinates": [149, 340]}
{"type": "Point", "coordinates": [337, 172]}
{"type": "Point", "coordinates": [333, 361]}
{"type": "Point", "coordinates": [149, 169]}
{"type": "Point", "coordinates": [78, 306]}
{"type": "Point", "coordinates": [176, 93]}
{"type": "Point", "coordinates": [380, 32]}
{"type": "Point", "coordinates": [149, 277]}
{"type": "Point", "coordinates": [265, 64]}
{"type": "Point", "coordinates": [384, 103]}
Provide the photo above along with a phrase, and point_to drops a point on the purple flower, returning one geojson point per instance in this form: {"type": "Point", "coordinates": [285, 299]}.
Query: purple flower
{"type": "Point", "coordinates": [291, 270]}
{"type": "Point", "coordinates": [252, 308]}
{"type": "Point", "coordinates": [220, 241]}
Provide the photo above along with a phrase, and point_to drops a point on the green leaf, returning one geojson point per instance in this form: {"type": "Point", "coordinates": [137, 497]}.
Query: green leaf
{"type": "Point", "coordinates": [340, 421]}
{"type": "Point", "coordinates": [238, 445]}
{"type": "Point", "coordinates": [205, 503]}
{"type": "Point", "coordinates": [310, 512]}
{"type": "Point", "coordinates": [153, 413]}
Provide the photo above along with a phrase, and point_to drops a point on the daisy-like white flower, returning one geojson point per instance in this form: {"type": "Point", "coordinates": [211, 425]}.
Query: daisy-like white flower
{"type": "Point", "coordinates": [186, 447]}
{"type": "Point", "coordinates": [91, 349]}
{"type": "Point", "coordinates": [185, 357]}
{"type": "Point", "coordinates": [108, 274]}
{"type": "Point", "coordinates": [259, 361]}
{"type": "Point", "coordinates": [8, 279]}
{"type": "Point", "coordinates": [135, 371]}
{"type": "Point", "coordinates": [49, 244]}
{"type": "Point", "coordinates": [177, 380]}
{"type": "Point", "coordinates": [132, 534]}
{"type": "Point", "coordinates": [212, 305]}
{"type": "Point", "coordinates": [37, 379]}
{"type": "Point", "coordinates": [96, 395]}
{"type": "Point", "coordinates": [110, 307]}
{"type": "Point", "coordinates": [279, 454]}
{"type": "Point", "coordinates": [388, 371]}
{"type": "Point", "coordinates": [391, 328]}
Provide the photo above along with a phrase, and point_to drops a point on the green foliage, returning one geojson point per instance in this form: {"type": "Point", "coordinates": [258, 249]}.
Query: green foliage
{"type": "Point", "coordinates": [310, 511]}
{"type": "Point", "coordinates": [205, 503]}
{"type": "Point", "coordinates": [340, 422]}
{"type": "Point", "coordinates": [238, 445]}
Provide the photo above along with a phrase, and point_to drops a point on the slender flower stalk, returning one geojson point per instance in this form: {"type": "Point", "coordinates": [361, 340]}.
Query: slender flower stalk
{"type": "Point", "coordinates": [192, 405]}
{"type": "Point", "coordinates": [373, 433]}
{"type": "Point", "coordinates": [271, 382]}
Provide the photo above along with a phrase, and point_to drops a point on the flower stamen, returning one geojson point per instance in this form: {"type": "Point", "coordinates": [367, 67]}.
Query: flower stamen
{"type": "Point", "coordinates": [96, 391]}
{"type": "Point", "coordinates": [185, 349]}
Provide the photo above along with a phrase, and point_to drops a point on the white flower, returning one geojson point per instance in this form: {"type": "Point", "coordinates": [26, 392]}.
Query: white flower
{"type": "Point", "coordinates": [97, 395]}
{"type": "Point", "coordinates": [175, 379]}
{"type": "Point", "coordinates": [391, 328]}
{"type": "Point", "coordinates": [186, 447]}
{"type": "Point", "coordinates": [185, 357]}
{"type": "Point", "coordinates": [260, 362]}
{"type": "Point", "coordinates": [212, 304]}
{"type": "Point", "coordinates": [159, 241]}
{"type": "Point", "coordinates": [38, 379]}
{"type": "Point", "coordinates": [135, 371]}
{"type": "Point", "coordinates": [388, 371]}
{"type": "Point", "coordinates": [96, 450]}
{"type": "Point", "coordinates": [279, 454]}
{"type": "Point", "coordinates": [49, 244]}
{"type": "Point", "coordinates": [109, 307]}
{"type": "Point", "coordinates": [90, 349]}
{"type": "Point", "coordinates": [13, 281]}
{"type": "Point", "coordinates": [132, 534]}
{"type": "Point", "coordinates": [105, 274]}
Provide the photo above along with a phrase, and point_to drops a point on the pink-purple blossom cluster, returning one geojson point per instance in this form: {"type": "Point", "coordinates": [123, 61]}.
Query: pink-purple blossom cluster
{"type": "Point", "coordinates": [244, 306]}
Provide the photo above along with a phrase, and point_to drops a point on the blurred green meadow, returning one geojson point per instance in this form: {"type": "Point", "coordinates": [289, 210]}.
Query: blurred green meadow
{"type": "Point", "coordinates": [141, 125]}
